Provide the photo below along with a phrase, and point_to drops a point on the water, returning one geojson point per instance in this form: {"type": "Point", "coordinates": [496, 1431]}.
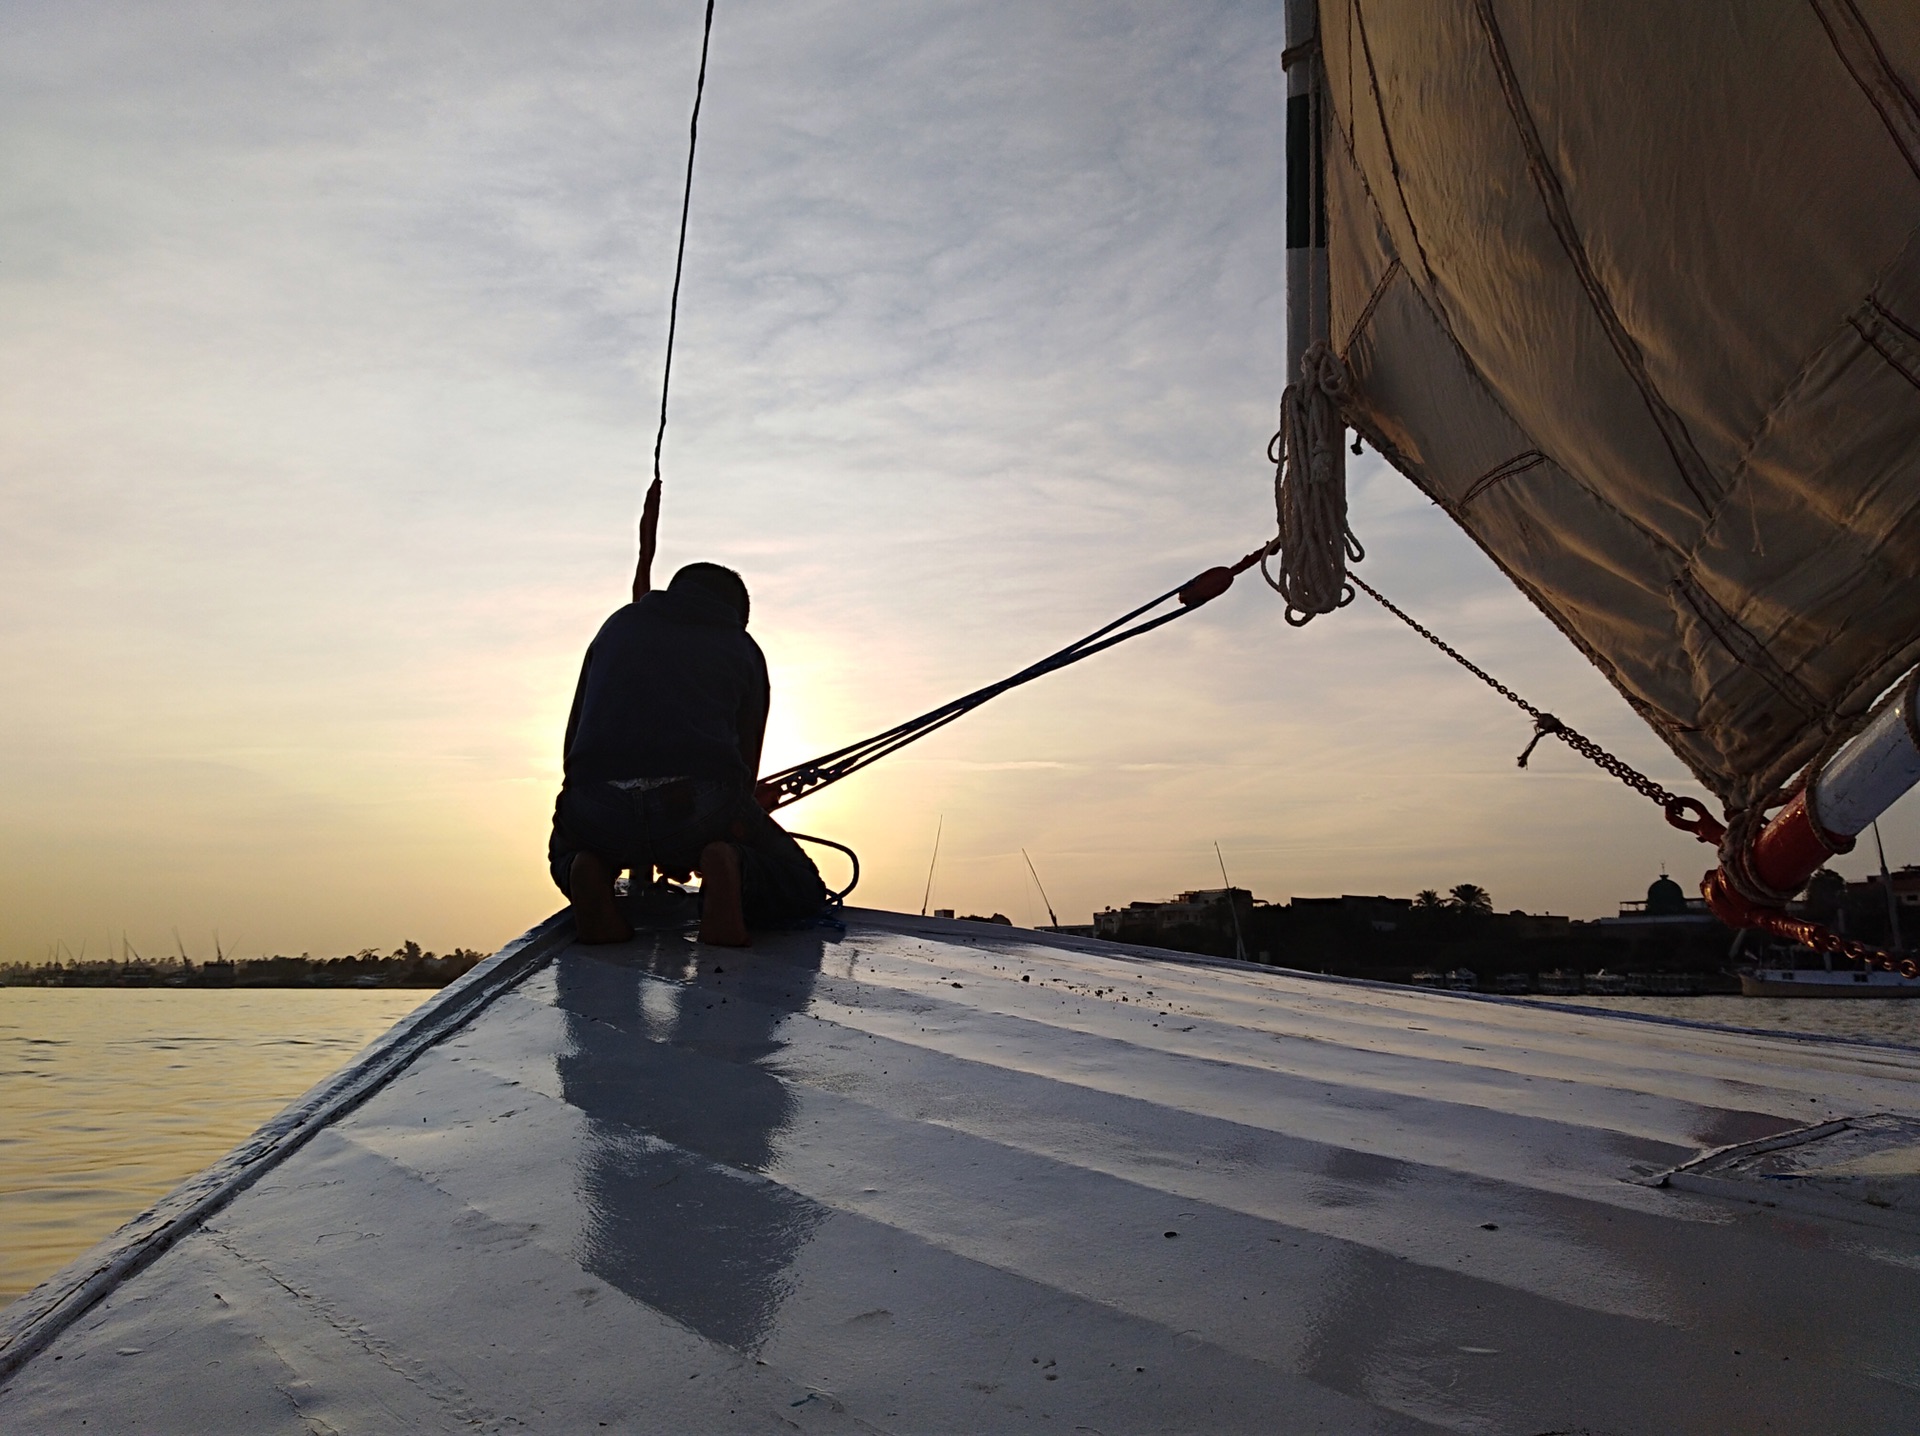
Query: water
{"type": "Point", "coordinates": [1895, 1020]}
{"type": "Point", "coordinates": [110, 1097]}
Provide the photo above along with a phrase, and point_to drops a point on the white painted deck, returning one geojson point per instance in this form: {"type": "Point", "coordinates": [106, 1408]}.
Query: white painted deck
{"type": "Point", "coordinates": [938, 1176]}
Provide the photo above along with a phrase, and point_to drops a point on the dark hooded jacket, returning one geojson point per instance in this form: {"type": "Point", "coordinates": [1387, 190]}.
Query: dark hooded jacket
{"type": "Point", "coordinates": [672, 686]}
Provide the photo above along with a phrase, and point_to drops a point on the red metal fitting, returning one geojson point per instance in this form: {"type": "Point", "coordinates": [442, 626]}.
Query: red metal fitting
{"type": "Point", "coordinates": [1690, 815]}
{"type": "Point", "coordinates": [1205, 587]}
{"type": "Point", "coordinates": [1726, 903]}
{"type": "Point", "coordinates": [1793, 847]}
{"type": "Point", "coordinates": [1790, 849]}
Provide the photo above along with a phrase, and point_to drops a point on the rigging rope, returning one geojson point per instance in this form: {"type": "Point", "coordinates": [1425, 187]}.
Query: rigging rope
{"type": "Point", "coordinates": [839, 898]}
{"type": "Point", "coordinates": [1314, 545]}
{"type": "Point", "coordinates": [1310, 490]}
{"type": "Point", "coordinates": [650, 510]}
{"type": "Point", "coordinates": [791, 784]}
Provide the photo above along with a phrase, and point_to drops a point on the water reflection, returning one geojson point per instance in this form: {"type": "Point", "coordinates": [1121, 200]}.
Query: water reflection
{"type": "Point", "coordinates": [666, 1044]}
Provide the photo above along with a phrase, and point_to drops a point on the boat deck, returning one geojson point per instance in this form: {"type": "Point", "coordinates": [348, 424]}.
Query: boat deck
{"type": "Point", "coordinates": [940, 1176]}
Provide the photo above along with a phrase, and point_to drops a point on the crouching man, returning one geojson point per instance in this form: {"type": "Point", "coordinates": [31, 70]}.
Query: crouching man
{"type": "Point", "coordinates": [663, 746]}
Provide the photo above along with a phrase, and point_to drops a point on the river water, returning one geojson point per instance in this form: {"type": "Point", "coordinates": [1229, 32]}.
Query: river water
{"type": "Point", "coordinates": [1858, 1019]}
{"type": "Point", "coordinates": [111, 1096]}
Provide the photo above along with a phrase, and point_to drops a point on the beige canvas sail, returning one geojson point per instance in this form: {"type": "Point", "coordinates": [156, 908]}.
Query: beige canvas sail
{"type": "Point", "coordinates": [1632, 289]}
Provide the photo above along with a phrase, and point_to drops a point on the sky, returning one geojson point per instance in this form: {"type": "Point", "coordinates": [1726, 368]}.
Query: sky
{"type": "Point", "coordinates": [327, 390]}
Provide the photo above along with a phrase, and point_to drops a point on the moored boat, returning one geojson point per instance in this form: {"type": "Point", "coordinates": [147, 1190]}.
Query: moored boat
{"type": "Point", "coordinates": [1824, 982]}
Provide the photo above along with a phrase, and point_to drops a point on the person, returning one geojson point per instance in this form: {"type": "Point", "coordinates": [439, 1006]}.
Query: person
{"type": "Point", "coordinates": [662, 750]}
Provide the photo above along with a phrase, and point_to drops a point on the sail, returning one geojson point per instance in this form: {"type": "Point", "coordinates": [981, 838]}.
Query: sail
{"type": "Point", "coordinates": [1632, 290]}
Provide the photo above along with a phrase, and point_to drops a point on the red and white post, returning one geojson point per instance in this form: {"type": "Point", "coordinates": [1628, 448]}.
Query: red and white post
{"type": "Point", "coordinates": [1856, 786]}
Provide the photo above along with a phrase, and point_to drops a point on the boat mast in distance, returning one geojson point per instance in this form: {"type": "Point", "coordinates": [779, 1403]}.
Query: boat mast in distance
{"type": "Point", "coordinates": [933, 862]}
{"type": "Point", "coordinates": [1239, 943]}
{"type": "Point", "coordinates": [1886, 886]}
{"type": "Point", "coordinates": [1043, 891]}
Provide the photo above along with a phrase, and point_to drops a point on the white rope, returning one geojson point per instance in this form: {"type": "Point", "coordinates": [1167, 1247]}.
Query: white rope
{"type": "Point", "coordinates": [1310, 490]}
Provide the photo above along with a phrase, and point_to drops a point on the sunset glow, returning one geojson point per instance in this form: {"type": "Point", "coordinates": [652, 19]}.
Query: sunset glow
{"type": "Point", "coordinates": [326, 404]}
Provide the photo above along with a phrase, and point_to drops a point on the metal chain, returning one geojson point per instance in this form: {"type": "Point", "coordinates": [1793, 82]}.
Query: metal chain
{"type": "Point", "coordinates": [1543, 723]}
{"type": "Point", "coordinates": [1687, 814]}
{"type": "Point", "coordinates": [1821, 938]}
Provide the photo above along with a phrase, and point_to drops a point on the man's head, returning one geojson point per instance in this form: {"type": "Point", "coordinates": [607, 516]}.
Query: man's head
{"type": "Point", "coordinates": [713, 581]}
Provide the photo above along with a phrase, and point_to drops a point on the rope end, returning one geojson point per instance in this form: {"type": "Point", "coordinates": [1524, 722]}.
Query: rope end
{"type": "Point", "coordinates": [1543, 724]}
{"type": "Point", "coordinates": [649, 539]}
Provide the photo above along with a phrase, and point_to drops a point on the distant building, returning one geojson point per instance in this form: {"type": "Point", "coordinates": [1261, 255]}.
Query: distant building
{"type": "Point", "coordinates": [1666, 905]}
{"type": "Point", "coordinates": [1203, 907]}
{"type": "Point", "coordinates": [1664, 936]}
{"type": "Point", "coordinates": [1666, 898]}
{"type": "Point", "coordinates": [1382, 914]}
{"type": "Point", "coordinates": [1863, 910]}
{"type": "Point", "coordinates": [1905, 883]}
{"type": "Point", "coordinates": [1533, 925]}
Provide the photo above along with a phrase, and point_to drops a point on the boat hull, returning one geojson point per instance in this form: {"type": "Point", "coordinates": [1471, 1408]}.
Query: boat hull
{"type": "Point", "coordinates": [949, 1176]}
{"type": "Point", "coordinates": [1767, 983]}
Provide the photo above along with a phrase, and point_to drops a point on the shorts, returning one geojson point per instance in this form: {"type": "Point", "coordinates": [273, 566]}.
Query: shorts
{"type": "Point", "coordinates": [647, 823]}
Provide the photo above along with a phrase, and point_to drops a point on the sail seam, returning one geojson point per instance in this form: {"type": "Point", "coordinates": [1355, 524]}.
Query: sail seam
{"type": "Point", "coordinates": [1687, 459]}
{"type": "Point", "coordinates": [1387, 276]}
{"type": "Point", "coordinates": [1417, 474]}
{"type": "Point", "coordinates": [1893, 362]}
{"type": "Point", "coordinates": [1363, 420]}
{"type": "Point", "coordinates": [1676, 556]}
{"type": "Point", "coordinates": [1738, 472]}
{"type": "Point", "coordinates": [1430, 297]}
{"type": "Point", "coordinates": [1393, 155]}
{"type": "Point", "coordinates": [1860, 52]}
{"type": "Point", "coordinates": [1894, 319]}
{"type": "Point", "coordinates": [1512, 468]}
{"type": "Point", "coordinates": [1678, 561]}
{"type": "Point", "coordinates": [1748, 649]}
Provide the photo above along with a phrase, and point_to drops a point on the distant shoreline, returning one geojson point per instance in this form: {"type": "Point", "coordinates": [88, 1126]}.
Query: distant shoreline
{"type": "Point", "coordinates": [407, 966]}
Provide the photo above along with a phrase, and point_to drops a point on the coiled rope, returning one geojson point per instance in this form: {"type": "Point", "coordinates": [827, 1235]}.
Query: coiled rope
{"type": "Point", "coordinates": [1310, 490]}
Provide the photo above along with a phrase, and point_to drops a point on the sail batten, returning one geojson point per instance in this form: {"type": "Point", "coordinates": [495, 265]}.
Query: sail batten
{"type": "Point", "coordinates": [1633, 292]}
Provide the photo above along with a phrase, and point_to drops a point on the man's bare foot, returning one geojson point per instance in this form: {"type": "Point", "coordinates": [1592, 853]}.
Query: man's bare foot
{"type": "Point", "coordinates": [596, 916]}
{"type": "Point", "coordinates": [722, 920]}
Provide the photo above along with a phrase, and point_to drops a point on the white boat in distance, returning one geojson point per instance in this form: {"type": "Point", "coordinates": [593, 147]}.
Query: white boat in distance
{"type": "Point", "coordinates": [1820, 982]}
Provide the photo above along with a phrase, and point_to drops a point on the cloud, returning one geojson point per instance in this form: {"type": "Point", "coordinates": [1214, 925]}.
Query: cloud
{"type": "Point", "coordinates": [327, 398]}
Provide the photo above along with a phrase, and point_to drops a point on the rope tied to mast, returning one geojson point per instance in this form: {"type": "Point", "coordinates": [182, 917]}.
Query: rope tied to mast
{"type": "Point", "coordinates": [1315, 543]}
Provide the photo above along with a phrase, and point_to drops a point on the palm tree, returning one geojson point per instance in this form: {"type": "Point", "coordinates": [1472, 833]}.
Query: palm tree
{"type": "Point", "coordinates": [1471, 897]}
{"type": "Point", "coordinates": [1427, 900]}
